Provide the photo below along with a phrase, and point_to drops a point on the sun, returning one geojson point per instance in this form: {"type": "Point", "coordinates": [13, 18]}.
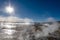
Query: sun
{"type": "Point", "coordinates": [9, 9]}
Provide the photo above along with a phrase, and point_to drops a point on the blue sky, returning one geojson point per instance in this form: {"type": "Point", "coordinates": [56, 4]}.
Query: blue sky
{"type": "Point", "coordinates": [34, 9]}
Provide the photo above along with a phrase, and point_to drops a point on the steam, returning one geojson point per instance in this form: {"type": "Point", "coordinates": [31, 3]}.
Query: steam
{"type": "Point", "coordinates": [51, 28]}
{"type": "Point", "coordinates": [24, 34]}
{"type": "Point", "coordinates": [50, 19]}
{"type": "Point", "coordinates": [11, 19]}
{"type": "Point", "coordinates": [15, 19]}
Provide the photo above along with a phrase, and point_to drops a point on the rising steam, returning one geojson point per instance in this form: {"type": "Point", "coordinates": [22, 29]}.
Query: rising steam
{"type": "Point", "coordinates": [14, 19]}
{"type": "Point", "coordinates": [24, 34]}
{"type": "Point", "coordinates": [49, 29]}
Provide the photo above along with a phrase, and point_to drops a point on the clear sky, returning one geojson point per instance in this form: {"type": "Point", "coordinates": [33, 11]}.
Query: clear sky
{"type": "Point", "coordinates": [34, 9]}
